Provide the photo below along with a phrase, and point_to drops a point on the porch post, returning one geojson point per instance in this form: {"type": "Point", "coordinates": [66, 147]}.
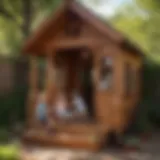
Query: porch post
{"type": "Point", "coordinates": [95, 79]}
{"type": "Point", "coordinates": [96, 66]}
{"type": "Point", "coordinates": [51, 88]}
{"type": "Point", "coordinates": [33, 91]}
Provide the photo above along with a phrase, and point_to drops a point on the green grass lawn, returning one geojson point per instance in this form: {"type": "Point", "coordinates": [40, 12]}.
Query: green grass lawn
{"type": "Point", "coordinates": [8, 152]}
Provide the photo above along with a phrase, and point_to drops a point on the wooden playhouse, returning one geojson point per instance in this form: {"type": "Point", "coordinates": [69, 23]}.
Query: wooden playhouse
{"type": "Point", "coordinates": [76, 38]}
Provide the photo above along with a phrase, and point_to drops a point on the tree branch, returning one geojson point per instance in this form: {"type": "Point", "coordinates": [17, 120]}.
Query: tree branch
{"type": "Point", "coordinates": [27, 17]}
{"type": "Point", "coordinates": [6, 14]}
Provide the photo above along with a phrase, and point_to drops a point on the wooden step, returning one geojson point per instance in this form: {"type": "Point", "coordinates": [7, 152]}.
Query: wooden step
{"type": "Point", "coordinates": [84, 141]}
{"type": "Point", "coordinates": [76, 128]}
{"type": "Point", "coordinates": [86, 136]}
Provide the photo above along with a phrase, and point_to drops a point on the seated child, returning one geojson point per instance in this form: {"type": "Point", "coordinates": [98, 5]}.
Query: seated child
{"type": "Point", "coordinates": [41, 109]}
{"type": "Point", "coordinates": [72, 109]}
{"type": "Point", "coordinates": [80, 106]}
{"type": "Point", "coordinates": [61, 108]}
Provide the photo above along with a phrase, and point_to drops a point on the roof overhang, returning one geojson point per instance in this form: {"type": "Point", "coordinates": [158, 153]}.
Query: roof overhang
{"type": "Point", "coordinates": [36, 42]}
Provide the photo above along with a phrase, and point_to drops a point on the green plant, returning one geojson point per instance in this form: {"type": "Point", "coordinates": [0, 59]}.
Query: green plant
{"type": "Point", "coordinates": [4, 135]}
{"type": "Point", "coordinates": [9, 152]}
{"type": "Point", "coordinates": [13, 107]}
{"type": "Point", "coordinates": [131, 142]}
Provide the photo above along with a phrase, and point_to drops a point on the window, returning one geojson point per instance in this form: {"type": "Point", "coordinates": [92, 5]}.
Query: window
{"type": "Point", "coordinates": [106, 73]}
{"type": "Point", "coordinates": [130, 79]}
{"type": "Point", "coordinates": [42, 74]}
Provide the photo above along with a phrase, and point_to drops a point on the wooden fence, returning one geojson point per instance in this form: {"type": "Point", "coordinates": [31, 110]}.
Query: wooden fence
{"type": "Point", "coordinates": [13, 73]}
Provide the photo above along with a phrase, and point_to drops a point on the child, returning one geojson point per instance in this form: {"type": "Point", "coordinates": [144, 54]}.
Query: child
{"type": "Point", "coordinates": [61, 108]}
{"type": "Point", "coordinates": [44, 115]}
{"type": "Point", "coordinates": [72, 108]}
{"type": "Point", "coordinates": [79, 106]}
{"type": "Point", "coordinates": [41, 110]}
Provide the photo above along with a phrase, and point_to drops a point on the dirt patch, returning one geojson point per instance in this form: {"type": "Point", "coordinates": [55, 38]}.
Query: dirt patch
{"type": "Point", "coordinates": [149, 150]}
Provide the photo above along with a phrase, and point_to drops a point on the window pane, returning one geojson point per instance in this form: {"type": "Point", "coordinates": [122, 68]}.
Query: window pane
{"type": "Point", "coordinates": [106, 73]}
{"type": "Point", "coordinates": [42, 74]}
{"type": "Point", "coordinates": [130, 79]}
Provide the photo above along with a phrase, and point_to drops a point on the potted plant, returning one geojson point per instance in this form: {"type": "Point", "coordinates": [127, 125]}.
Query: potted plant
{"type": "Point", "coordinates": [131, 143]}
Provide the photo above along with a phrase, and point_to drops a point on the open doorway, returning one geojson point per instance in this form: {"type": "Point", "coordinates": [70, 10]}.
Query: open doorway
{"type": "Point", "coordinates": [87, 81]}
{"type": "Point", "coordinates": [77, 65]}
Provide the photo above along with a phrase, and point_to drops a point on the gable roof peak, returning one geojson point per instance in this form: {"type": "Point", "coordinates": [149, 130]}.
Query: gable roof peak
{"type": "Point", "coordinates": [84, 13]}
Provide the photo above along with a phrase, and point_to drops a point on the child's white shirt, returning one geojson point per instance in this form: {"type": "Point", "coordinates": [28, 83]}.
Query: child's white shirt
{"type": "Point", "coordinates": [78, 103]}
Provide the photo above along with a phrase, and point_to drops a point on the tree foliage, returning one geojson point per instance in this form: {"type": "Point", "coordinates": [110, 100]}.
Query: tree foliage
{"type": "Point", "coordinates": [149, 5]}
{"type": "Point", "coordinates": [152, 12]}
{"type": "Point", "coordinates": [16, 20]}
{"type": "Point", "coordinates": [140, 20]}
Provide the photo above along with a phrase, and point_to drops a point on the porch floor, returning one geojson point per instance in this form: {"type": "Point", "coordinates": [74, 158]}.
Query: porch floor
{"type": "Point", "coordinates": [82, 136]}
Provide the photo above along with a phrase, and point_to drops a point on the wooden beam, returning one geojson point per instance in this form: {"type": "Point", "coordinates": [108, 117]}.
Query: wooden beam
{"type": "Point", "coordinates": [71, 43]}
{"type": "Point", "coordinates": [51, 87]}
